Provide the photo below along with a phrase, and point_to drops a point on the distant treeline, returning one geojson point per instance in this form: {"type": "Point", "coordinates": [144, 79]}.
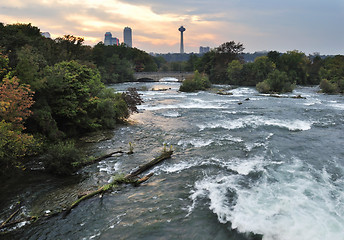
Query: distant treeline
{"type": "Point", "coordinates": [270, 72]}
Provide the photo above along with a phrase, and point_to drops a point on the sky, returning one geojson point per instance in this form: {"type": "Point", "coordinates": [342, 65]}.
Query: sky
{"type": "Point", "coordinates": [260, 25]}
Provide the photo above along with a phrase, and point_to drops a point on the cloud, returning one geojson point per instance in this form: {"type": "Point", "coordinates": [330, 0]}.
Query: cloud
{"type": "Point", "coordinates": [260, 25]}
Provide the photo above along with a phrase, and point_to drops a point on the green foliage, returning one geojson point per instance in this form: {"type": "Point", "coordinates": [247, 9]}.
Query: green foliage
{"type": "Point", "coordinates": [60, 158]}
{"type": "Point", "coordinates": [249, 74]}
{"type": "Point", "coordinates": [118, 63]}
{"type": "Point", "coordinates": [72, 90]}
{"type": "Point", "coordinates": [30, 67]}
{"type": "Point", "coordinates": [332, 75]}
{"type": "Point", "coordinates": [215, 63]}
{"type": "Point", "coordinates": [295, 63]}
{"type": "Point", "coordinates": [14, 145]}
{"type": "Point", "coordinates": [328, 87]}
{"type": "Point", "coordinates": [70, 98]}
{"type": "Point", "coordinates": [196, 82]}
{"type": "Point", "coordinates": [4, 66]}
{"type": "Point", "coordinates": [314, 67]}
{"type": "Point", "coordinates": [276, 82]}
{"type": "Point", "coordinates": [234, 72]}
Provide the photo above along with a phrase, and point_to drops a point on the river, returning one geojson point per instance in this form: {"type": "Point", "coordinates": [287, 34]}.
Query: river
{"type": "Point", "coordinates": [244, 166]}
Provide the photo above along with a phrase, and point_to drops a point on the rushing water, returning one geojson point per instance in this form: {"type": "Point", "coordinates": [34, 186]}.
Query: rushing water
{"type": "Point", "coordinates": [245, 165]}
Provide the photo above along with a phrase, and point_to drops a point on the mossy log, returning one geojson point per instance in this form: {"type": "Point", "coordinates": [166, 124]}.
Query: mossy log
{"type": "Point", "coordinates": [98, 159]}
{"type": "Point", "coordinates": [130, 178]}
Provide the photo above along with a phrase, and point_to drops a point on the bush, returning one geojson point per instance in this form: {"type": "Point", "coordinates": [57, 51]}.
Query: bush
{"type": "Point", "coordinates": [263, 87]}
{"type": "Point", "coordinates": [61, 158]}
{"type": "Point", "coordinates": [14, 145]}
{"type": "Point", "coordinates": [276, 82]}
{"type": "Point", "coordinates": [328, 87]}
{"type": "Point", "coordinates": [195, 83]}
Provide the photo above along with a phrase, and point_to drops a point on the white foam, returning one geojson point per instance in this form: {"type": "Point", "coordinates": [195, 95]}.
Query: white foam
{"type": "Point", "coordinates": [290, 201]}
{"type": "Point", "coordinates": [339, 106]}
{"type": "Point", "coordinates": [242, 91]}
{"type": "Point", "coordinates": [195, 142]}
{"type": "Point", "coordinates": [187, 105]}
{"type": "Point", "coordinates": [256, 121]}
{"type": "Point", "coordinates": [172, 114]}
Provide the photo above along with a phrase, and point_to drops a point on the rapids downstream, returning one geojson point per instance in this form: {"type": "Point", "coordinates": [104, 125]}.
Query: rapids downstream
{"type": "Point", "coordinates": [246, 166]}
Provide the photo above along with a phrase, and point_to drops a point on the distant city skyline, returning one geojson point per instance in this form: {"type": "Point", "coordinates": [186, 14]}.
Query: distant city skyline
{"type": "Point", "coordinates": [308, 26]}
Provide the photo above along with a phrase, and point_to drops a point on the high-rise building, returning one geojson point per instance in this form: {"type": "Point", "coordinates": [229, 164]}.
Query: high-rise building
{"type": "Point", "coordinates": [203, 50]}
{"type": "Point", "coordinates": [127, 36]}
{"type": "Point", "coordinates": [181, 30]}
{"type": "Point", "coordinates": [109, 40]}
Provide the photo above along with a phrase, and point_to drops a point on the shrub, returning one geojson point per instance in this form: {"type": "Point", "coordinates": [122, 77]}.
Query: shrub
{"type": "Point", "coordinates": [276, 82]}
{"type": "Point", "coordinates": [195, 83]}
{"type": "Point", "coordinates": [263, 87]}
{"type": "Point", "coordinates": [14, 145]}
{"type": "Point", "coordinates": [328, 87]}
{"type": "Point", "coordinates": [60, 158]}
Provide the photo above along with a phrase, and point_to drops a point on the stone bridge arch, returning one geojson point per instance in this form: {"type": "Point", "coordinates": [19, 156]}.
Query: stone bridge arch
{"type": "Point", "coordinates": [157, 76]}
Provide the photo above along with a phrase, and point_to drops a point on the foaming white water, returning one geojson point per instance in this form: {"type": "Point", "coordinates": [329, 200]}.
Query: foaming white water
{"type": "Point", "coordinates": [187, 105]}
{"type": "Point", "coordinates": [243, 91]}
{"type": "Point", "coordinates": [290, 201]}
{"type": "Point", "coordinates": [339, 106]}
{"type": "Point", "coordinates": [195, 142]}
{"type": "Point", "coordinates": [172, 114]}
{"type": "Point", "coordinates": [256, 121]}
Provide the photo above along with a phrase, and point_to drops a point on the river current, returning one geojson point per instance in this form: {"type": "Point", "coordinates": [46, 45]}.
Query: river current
{"type": "Point", "coordinates": [245, 166]}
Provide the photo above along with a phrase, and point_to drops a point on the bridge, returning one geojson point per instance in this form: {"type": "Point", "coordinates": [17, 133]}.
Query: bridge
{"type": "Point", "coordinates": [159, 76]}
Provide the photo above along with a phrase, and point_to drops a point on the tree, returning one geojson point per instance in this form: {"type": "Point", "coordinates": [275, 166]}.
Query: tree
{"type": "Point", "coordinates": [30, 67]}
{"type": "Point", "coordinates": [314, 67]}
{"type": "Point", "coordinates": [276, 82]}
{"type": "Point", "coordinates": [13, 145]}
{"type": "Point", "coordinates": [73, 89]}
{"type": "Point", "coordinates": [332, 75]}
{"type": "Point", "coordinates": [223, 55]}
{"type": "Point", "coordinates": [195, 83]}
{"type": "Point", "coordinates": [263, 66]}
{"type": "Point", "coordinates": [15, 101]}
{"type": "Point", "coordinates": [234, 72]}
{"type": "Point", "coordinates": [294, 63]}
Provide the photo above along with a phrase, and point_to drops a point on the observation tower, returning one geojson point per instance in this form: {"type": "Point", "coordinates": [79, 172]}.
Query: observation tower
{"type": "Point", "coordinates": [181, 30]}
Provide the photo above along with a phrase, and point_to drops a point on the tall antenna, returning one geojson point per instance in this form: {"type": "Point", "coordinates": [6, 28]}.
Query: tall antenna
{"type": "Point", "coordinates": [181, 30]}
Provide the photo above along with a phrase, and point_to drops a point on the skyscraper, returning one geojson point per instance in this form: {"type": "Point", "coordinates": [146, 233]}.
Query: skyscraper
{"type": "Point", "coordinates": [203, 50]}
{"type": "Point", "coordinates": [181, 30]}
{"type": "Point", "coordinates": [127, 36]}
{"type": "Point", "coordinates": [109, 40]}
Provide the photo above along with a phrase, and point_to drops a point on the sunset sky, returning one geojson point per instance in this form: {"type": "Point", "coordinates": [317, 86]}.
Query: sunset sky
{"type": "Point", "coordinates": [306, 25]}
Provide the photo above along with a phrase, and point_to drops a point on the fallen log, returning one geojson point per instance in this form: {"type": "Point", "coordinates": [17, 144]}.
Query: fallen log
{"type": "Point", "coordinates": [147, 166]}
{"type": "Point", "coordinates": [16, 210]}
{"type": "Point", "coordinates": [129, 178]}
{"type": "Point", "coordinates": [142, 180]}
{"type": "Point", "coordinates": [98, 159]}
{"type": "Point", "coordinates": [10, 224]}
